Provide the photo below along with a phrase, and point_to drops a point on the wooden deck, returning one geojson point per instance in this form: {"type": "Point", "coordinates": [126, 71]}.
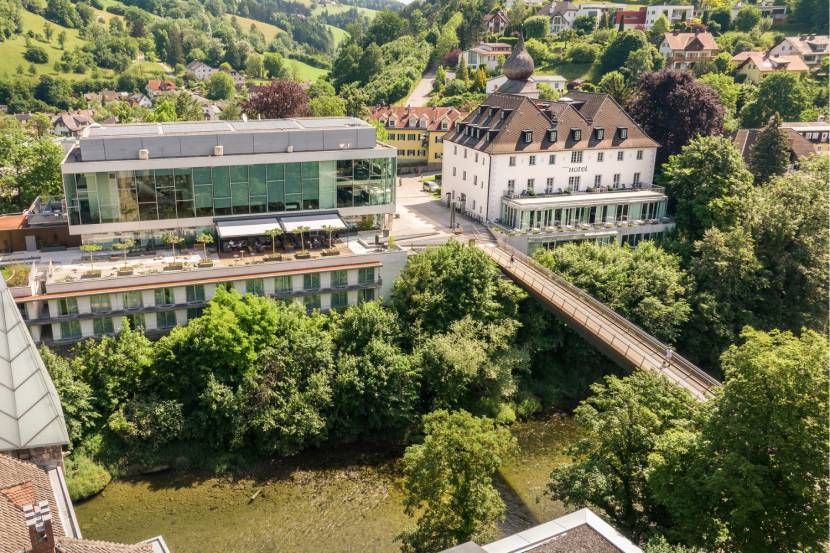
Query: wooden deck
{"type": "Point", "coordinates": [614, 335]}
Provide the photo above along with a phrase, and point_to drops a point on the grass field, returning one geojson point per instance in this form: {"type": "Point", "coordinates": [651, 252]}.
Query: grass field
{"type": "Point", "coordinates": [342, 8]}
{"type": "Point", "coordinates": [269, 31]}
{"type": "Point", "coordinates": [14, 48]}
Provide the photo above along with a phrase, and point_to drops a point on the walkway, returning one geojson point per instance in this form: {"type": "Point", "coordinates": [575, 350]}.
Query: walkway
{"type": "Point", "coordinates": [614, 335]}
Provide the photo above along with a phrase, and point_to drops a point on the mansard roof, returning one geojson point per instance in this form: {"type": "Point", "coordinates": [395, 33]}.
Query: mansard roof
{"type": "Point", "coordinates": [502, 120]}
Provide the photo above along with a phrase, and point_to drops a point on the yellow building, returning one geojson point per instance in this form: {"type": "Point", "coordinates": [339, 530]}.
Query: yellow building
{"type": "Point", "coordinates": [417, 132]}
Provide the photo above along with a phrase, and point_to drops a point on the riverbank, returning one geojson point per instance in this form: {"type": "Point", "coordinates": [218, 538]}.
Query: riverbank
{"type": "Point", "coordinates": [306, 504]}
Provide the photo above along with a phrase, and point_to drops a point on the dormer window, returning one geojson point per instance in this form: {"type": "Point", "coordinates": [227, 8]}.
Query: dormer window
{"type": "Point", "coordinates": [623, 132]}
{"type": "Point", "coordinates": [599, 133]}
{"type": "Point", "coordinates": [528, 136]}
{"type": "Point", "coordinates": [576, 135]}
{"type": "Point", "coordinates": [553, 135]}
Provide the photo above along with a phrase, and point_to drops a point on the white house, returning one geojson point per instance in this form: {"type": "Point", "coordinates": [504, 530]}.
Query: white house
{"type": "Point", "coordinates": [674, 14]}
{"type": "Point", "coordinates": [200, 70]}
{"type": "Point", "coordinates": [486, 54]}
{"type": "Point", "coordinates": [810, 48]}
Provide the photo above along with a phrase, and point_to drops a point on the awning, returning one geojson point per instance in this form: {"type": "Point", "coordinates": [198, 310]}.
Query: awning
{"type": "Point", "coordinates": [246, 227]}
{"type": "Point", "coordinates": [313, 222]}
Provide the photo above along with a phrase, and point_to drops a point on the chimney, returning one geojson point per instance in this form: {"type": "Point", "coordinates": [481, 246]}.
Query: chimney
{"type": "Point", "coordinates": [39, 522]}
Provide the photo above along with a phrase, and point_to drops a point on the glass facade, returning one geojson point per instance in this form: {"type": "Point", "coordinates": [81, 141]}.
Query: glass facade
{"type": "Point", "coordinates": [154, 194]}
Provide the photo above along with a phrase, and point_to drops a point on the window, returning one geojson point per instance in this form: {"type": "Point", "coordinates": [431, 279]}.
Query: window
{"type": "Point", "coordinates": [597, 180]}
{"type": "Point", "coordinates": [620, 155]}
{"type": "Point", "coordinates": [100, 303]}
{"type": "Point", "coordinates": [532, 160]}
{"type": "Point", "coordinates": [67, 306]}
{"type": "Point", "coordinates": [255, 286]}
{"type": "Point", "coordinates": [312, 302]}
{"type": "Point", "coordinates": [549, 186]}
{"type": "Point", "coordinates": [636, 180]}
{"type": "Point", "coordinates": [576, 157]}
{"type": "Point", "coordinates": [600, 157]}
{"type": "Point", "coordinates": [573, 183]}
{"type": "Point", "coordinates": [135, 320]}
{"type": "Point", "coordinates": [70, 329]}
{"type": "Point", "coordinates": [339, 279]}
{"type": "Point", "coordinates": [512, 161]}
{"type": "Point", "coordinates": [102, 325]}
{"type": "Point", "coordinates": [552, 159]}
{"type": "Point", "coordinates": [195, 293]}
{"type": "Point", "coordinates": [164, 296]}
{"type": "Point", "coordinates": [365, 295]}
{"type": "Point", "coordinates": [311, 281]}
{"type": "Point", "coordinates": [133, 300]}
{"type": "Point", "coordinates": [616, 180]}
{"type": "Point", "coordinates": [339, 299]}
{"type": "Point", "coordinates": [639, 155]}
{"type": "Point", "coordinates": [283, 285]}
{"type": "Point", "coordinates": [511, 186]}
{"type": "Point", "coordinates": [165, 319]}
{"type": "Point", "coordinates": [366, 275]}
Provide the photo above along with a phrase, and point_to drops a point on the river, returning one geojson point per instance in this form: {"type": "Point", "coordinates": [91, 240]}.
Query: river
{"type": "Point", "coordinates": [305, 505]}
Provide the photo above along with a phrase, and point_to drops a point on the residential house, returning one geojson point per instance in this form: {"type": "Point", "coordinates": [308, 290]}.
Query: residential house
{"type": "Point", "coordinates": [578, 532]}
{"type": "Point", "coordinates": [800, 146]}
{"type": "Point", "coordinates": [496, 22]}
{"type": "Point", "coordinates": [775, 11]}
{"type": "Point", "coordinates": [675, 14]}
{"type": "Point", "coordinates": [72, 123]}
{"type": "Point", "coordinates": [557, 82]}
{"type": "Point", "coordinates": [755, 66]}
{"type": "Point", "coordinates": [487, 54]}
{"type": "Point", "coordinates": [631, 19]}
{"type": "Point", "coordinates": [548, 172]}
{"type": "Point", "coordinates": [200, 70]}
{"type": "Point", "coordinates": [156, 87]}
{"type": "Point", "coordinates": [417, 132]}
{"type": "Point", "coordinates": [816, 132]}
{"type": "Point", "coordinates": [685, 50]}
{"type": "Point", "coordinates": [811, 48]}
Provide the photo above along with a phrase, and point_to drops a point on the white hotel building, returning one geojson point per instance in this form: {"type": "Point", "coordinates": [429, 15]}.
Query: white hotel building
{"type": "Point", "coordinates": [550, 172]}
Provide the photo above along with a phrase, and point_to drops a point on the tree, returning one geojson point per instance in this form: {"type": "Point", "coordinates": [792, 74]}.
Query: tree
{"type": "Point", "coordinates": [220, 86]}
{"type": "Point", "coordinates": [623, 419]}
{"type": "Point", "coordinates": [448, 480]}
{"type": "Point", "coordinates": [613, 83]}
{"type": "Point", "coordinates": [707, 180]}
{"type": "Point", "coordinates": [386, 26]}
{"type": "Point", "coordinates": [446, 283]}
{"type": "Point", "coordinates": [781, 92]}
{"type": "Point", "coordinates": [124, 246]}
{"type": "Point", "coordinates": [171, 239]}
{"type": "Point", "coordinates": [280, 99]}
{"type": "Point", "coordinates": [747, 19]}
{"type": "Point", "coordinates": [204, 239]}
{"type": "Point", "coordinates": [752, 477]}
{"type": "Point", "coordinates": [91, 249]}
{"type": "Point", "coordinates": [673, 108]}
{"type": "Point", "coordinates": [644, 284]}
{"type": "Point", "coordinates": [254, 66]}
{"type": "Point", "coordinates": [770, 154]}
{"type": "Point", "coordinates": [620, 48]}
{"type": "Point", "coordinates": [274, 65]}
{"type": "Point", "coordinates": [537, 26]}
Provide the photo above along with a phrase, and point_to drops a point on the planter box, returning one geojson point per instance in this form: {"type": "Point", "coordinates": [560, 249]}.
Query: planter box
{"type": "Point", "coordinates": [331, 252]}
{"type": "Point", "coordinates": [91, 274]}
{"type": "Point", "coordinates": [174, 267]}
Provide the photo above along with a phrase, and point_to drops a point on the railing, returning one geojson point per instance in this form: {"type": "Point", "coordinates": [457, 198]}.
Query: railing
{"type": "Point", "coordinates": [686, 370]}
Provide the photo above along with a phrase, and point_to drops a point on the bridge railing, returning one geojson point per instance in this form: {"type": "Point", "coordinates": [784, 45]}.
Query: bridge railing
{"type": "Point", "coordinates": [690, 370]}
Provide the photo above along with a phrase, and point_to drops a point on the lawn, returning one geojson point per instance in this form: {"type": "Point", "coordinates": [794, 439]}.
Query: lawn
{"type": "Point", "coordinates": [268, 31]}
{"type": "Point", "coordinates": [343, 8]}
{"type": "Point", "coordinates": [14, 47]}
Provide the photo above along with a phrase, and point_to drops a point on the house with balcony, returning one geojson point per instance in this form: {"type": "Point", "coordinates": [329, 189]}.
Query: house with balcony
{"type": "Point", "coordinates": [685, 50]}
{"type": "Point", "coordinates": [810, 48]}
{"type": "Point", "coordinates": [417, 133]}
{"type": "Point", "coordinates": [293, 208]}
{"type": "Point", "coordinates": [544, 173]}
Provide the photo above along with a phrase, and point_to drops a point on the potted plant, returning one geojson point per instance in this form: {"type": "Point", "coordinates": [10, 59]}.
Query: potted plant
{"type": "Point", "coordinates": [301, 230]}
{"type": "Point", "coordinates": [273, 234]}
{"type": "Point", "coordinates": [91, 249]}
{"type": "Point", "coordinates": [331, 249]}
{"type": "Point", "coordinates": [171, 240]}
{"type": "Point", "coordinates": [124, 246]}
{"type": "Point", "coordinates": [204, 239]}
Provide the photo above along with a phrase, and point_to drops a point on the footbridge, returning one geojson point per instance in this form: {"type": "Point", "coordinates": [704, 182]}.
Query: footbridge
{"type": "Point", "coordinates": [617, 337]}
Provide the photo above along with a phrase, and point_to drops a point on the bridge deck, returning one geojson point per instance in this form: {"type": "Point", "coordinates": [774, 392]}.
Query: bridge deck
{"type": "Point", "coordinates": [614, 334]}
